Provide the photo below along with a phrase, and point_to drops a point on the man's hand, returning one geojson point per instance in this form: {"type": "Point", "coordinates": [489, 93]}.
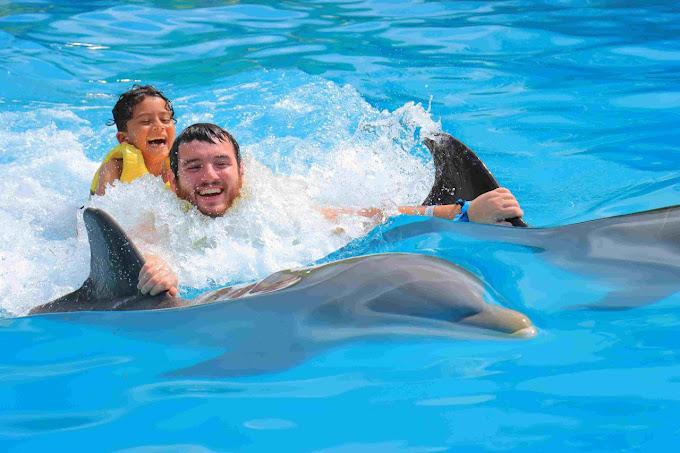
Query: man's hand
{"type": "Point", "coordinates": [156, 277]}
{"type": "Point", "coordinates": [494, 207]}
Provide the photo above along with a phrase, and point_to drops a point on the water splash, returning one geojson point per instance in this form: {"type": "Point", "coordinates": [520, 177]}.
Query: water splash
{"type": "Point", "coordinates": [339, 154]}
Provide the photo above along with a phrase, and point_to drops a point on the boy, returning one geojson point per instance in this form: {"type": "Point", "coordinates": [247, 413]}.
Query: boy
{"type": "Point", "coordinates": [145, 121]}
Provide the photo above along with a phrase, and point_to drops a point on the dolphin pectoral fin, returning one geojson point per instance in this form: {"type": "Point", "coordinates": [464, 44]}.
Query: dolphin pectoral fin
{"type": "Point", "coordinates": [631, 297]}
{"type": "Point", "coordinates": [244, 361]}
{"type": "Point", "coordinates": [502, 320]}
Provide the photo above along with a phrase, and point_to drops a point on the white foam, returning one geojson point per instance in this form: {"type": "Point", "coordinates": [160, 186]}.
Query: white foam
{"type": "Point", "coordinates": [41, 189]}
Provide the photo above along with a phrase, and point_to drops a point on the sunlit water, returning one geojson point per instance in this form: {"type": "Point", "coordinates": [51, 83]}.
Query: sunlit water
{"type": "Point", "coordinates": [573, 105]}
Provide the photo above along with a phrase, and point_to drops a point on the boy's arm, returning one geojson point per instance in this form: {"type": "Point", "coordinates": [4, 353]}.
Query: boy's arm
{"type": "Point", "coordinates": [108, 172]}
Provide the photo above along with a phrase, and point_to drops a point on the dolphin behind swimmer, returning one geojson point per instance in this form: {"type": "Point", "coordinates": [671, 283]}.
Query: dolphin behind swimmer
{"type": "Point", "coordinates": [632, 259]}
{"type": "Point", "coordinates": [637, 255]}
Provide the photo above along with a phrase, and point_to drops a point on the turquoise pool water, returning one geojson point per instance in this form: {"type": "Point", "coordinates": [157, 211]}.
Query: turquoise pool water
{"type": "Point", "coordinates": [573, 105]}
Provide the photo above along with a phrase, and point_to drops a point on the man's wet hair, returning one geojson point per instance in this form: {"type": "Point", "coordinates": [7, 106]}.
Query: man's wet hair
{"type": "Point", "coordinates": [122, 111]}
{"type": "Point", "coordinates": [202, 132]}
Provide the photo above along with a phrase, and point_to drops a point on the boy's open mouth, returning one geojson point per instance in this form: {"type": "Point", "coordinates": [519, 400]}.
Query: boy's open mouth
{"type": "Point", "coordinates": [157, 142]}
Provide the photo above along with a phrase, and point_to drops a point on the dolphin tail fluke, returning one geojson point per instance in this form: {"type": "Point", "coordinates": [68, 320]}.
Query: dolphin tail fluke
{"type": "Point", "coordinates": [459, 173]}
{"type": "Point", "coordinates": [115, 263]}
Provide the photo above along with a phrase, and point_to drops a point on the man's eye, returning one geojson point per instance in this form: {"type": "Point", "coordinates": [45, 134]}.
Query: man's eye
{"type": "Point", "coordinates": [222, 164]}
{"type": "Point", "coordinates": [193, 168]}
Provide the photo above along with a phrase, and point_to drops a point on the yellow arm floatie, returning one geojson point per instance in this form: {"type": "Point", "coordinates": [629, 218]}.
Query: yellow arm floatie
{"type": "Point", "coordinates": [133, 164]}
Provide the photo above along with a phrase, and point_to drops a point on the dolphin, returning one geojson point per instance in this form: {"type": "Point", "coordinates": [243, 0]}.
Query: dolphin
{"type": "Point", "coordinates": [289, 316]}
{"type": "Point", "coordinates": [637, 255]}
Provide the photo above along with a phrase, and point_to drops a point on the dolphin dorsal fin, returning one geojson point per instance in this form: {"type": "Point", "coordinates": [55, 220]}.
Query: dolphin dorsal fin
{"type": "Point", "coordinates": [459, 173]}
{"type": "Point", "coordinates": [115, 262]}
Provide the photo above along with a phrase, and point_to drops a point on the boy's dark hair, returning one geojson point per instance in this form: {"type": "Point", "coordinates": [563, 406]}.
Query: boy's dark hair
{"type": "Point", "coordinates": [122, 111]}
{"type": "Point", "coordinates": [202, 132]}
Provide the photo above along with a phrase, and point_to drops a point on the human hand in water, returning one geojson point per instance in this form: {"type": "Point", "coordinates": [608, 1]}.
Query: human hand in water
{"type": "Point", "coordinates": [156, 276]}
{"type": "Point", "coordinates": [494, 207]}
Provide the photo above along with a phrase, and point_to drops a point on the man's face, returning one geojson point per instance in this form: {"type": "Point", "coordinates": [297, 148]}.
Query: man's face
{"type": "Point", "coordinates": [152, 130]}
{"type": "Point", "coordinates": [208, 176]}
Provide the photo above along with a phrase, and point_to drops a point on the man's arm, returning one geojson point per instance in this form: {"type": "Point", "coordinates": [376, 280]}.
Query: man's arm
{"type": "Point", "coordinates": [156, 276]}
{"type": "Point", "coordinates": [494, 207]}
{"type": "Point", "coordinates": [491, 207]}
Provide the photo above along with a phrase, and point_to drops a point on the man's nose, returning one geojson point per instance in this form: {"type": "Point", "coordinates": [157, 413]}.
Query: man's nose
{"type": "Point", "coordinates": [209, 173]}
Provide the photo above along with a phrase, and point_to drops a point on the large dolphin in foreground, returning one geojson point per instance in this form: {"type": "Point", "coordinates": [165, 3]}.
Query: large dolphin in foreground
{"type": "Point", "coordinates": [289, 316]}
{"type": "Point", "coordinates": [399, 284]}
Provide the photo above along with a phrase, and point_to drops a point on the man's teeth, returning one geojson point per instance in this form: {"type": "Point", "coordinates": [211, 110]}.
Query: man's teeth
{"type": "Point", "coordinates": [212, 191]}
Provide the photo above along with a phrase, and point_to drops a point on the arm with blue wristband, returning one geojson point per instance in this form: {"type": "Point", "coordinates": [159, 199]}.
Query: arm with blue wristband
{"type": "Point", "coordinates": [492, 207]}
{"type": "Point", "coordinates": [463, 215]}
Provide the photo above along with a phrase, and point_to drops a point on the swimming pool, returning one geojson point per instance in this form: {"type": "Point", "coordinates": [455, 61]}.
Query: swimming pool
{"type": "Point", "coordinates": [572, 105]}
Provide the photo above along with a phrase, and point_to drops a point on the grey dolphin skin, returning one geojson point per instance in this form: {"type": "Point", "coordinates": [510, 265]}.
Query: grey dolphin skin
{"type": "Point", "coordinates": [367, 290]}
{"type": "Point", "coordinates": [637, 256]}
{"type": "Point", "coordinates": [459, 173]}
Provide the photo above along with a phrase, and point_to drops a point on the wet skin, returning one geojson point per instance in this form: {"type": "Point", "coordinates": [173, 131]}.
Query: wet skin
{"type": "Point", "coordinates": [152, 130]}
{"type": "Point", "coordinates": [208, 176]}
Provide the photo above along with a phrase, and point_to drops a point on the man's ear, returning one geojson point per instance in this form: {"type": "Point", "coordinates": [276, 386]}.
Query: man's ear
{"type": "Point", "coordinates": [121, 136]}
{"type": "Point", "coordinates": [172, 180]}
{"type": "Point", "coordinates": [240, 175]}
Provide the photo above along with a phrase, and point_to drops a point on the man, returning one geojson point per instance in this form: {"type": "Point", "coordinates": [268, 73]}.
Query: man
{"type": "Point", "coordinates": [207, 172]}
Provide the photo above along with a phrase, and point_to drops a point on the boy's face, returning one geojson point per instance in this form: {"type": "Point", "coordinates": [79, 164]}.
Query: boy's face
{"type": "Point", "coordinates": [152, 130]}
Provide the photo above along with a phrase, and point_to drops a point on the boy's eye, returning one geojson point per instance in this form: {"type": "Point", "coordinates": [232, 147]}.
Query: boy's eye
{"type": "Point", "coordinates": [166, 120]}
{"type": "Point", "coordinates": [145, 122]}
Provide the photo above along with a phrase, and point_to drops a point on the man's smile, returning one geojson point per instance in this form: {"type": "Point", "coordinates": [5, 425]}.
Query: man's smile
{"type": "Point", "coordinates": [210, 191]}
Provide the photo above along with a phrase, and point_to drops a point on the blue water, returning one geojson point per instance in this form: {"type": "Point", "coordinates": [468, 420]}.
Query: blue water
{"type": "Point", "coordinates": [573, 105]}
